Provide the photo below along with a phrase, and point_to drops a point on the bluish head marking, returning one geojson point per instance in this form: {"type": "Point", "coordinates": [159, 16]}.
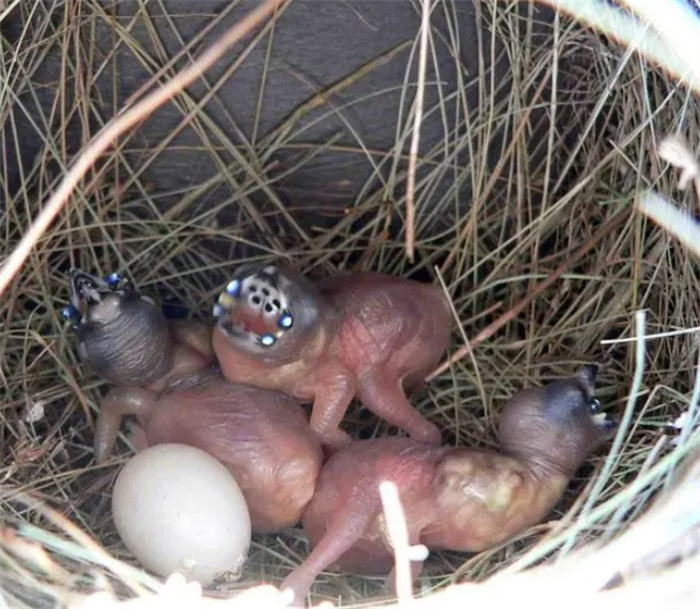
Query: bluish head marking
{"type": "Point", "coordinates": [69, 312]}
{"type": "Point", "coordinates": [268, 339]}
{"type": "Point", "coordinates": [233, 288]}
{"type": "Point", "coordinates": [285, 321]}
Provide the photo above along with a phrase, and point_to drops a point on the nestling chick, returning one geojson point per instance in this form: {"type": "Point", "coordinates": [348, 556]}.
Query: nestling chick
{"type": "Point", "coordinates": [122, 335]}
{"type": "Point", "coordinates": [261, 436]}
{"type": "Point", "coordinates": [460, 499]}
{"type": "Point", "coordinates": [367, 335]}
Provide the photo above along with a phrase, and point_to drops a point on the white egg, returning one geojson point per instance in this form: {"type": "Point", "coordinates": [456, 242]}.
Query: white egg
{"type": "Point", "coordinates": [177, 509]}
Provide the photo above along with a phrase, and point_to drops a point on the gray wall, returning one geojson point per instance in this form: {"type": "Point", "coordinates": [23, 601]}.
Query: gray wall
{"type": "Point", "coordinates": [315, 44]}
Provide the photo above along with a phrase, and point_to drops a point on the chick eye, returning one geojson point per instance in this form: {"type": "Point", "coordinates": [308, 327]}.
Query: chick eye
{"type": "Point", "coordinates": [594, 406]}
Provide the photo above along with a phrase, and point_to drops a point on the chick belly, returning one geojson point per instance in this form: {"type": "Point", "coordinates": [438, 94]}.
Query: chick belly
{"type": "Point", "coordinates": [281, 492]}
{"type": "Point", "coordinates": [272, 510]}
{"type": "Point", "coordinates": [275, 500]}
{"type": "Point", "coordinates": [264, 442]}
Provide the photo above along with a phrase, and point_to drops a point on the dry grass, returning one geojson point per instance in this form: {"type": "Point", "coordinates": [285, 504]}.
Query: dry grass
{"type": "Point", "coordinates": [570, 208]}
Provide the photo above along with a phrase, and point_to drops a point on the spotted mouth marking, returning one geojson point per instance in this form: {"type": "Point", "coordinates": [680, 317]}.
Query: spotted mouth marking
{"type": "Point", "coordinates": [87, 290]}
{"type": "Point", "coordinates": [255, 308]}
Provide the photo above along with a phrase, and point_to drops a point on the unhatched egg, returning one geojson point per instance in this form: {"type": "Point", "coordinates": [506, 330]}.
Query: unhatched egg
{"type": "Point", "coordinates": [178, 509]}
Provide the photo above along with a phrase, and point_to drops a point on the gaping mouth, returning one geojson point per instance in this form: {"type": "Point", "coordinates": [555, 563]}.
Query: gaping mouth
{"type": "Point", "coordinates": [254, 308]}
{"type": "Point", "coordinates": [87, 290]}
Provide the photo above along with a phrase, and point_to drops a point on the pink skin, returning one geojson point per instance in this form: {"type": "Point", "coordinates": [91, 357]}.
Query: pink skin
{"type": "Point", "coordinates": [368, 336]}
{"type": "Point", "coordinates": [190, 354]}
{"type": "Point", "coordinates": [262, 437]}
{"type": "Point", "coordinates": [457, 499]}
{"type": "Point", "coordinates": [163, 373]}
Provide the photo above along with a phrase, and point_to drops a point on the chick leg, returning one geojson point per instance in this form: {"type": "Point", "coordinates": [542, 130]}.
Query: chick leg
{"type": "Point", "coordinates": [348, 527]}
{"type": "Point", "coordinates": [138, 438]}
{"type": "Point", "coordinates": [387, 401]}
{"type": "Point", "coordinates": [330, 405]}
{"type": "Point", "coordinates": [118, 402]}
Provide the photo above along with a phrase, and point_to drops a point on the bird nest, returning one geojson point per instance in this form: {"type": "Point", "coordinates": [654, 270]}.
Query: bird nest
{"type": "Point", "coordinates": [532, 180]}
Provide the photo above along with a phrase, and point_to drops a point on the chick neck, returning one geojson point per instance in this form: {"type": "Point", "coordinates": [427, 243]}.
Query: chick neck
{"type": "Point", "coordinates": [307, 351]}
{"type": "Point", "coordinates": [539, 463]}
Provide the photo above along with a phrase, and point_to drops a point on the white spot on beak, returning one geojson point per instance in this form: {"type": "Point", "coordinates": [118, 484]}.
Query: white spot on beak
{"type": "Point", "coordinates": [600, 418]}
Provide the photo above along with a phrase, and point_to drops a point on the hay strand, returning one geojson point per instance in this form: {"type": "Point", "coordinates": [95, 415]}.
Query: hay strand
{"type": "Point", "coordinates": [122, 123]}
{"type": "Point", "coordinates": [549, 261]}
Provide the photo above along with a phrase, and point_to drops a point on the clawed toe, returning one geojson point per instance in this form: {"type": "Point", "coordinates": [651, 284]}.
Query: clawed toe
{"type": "Point", "coordinates": [429, 435]}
